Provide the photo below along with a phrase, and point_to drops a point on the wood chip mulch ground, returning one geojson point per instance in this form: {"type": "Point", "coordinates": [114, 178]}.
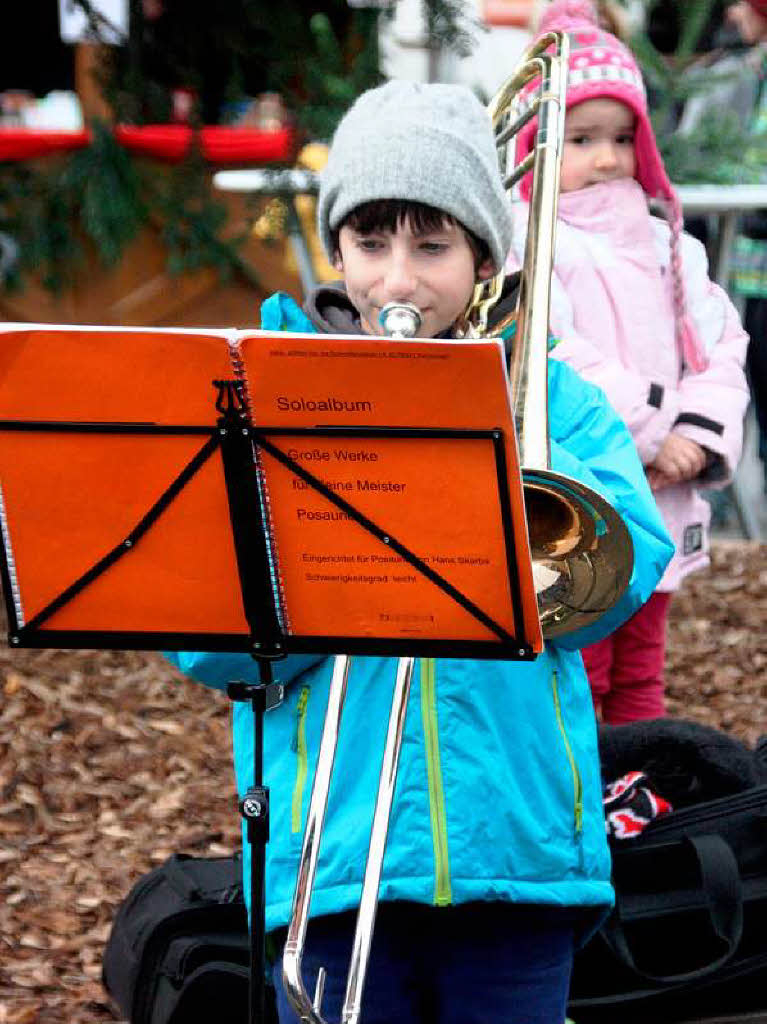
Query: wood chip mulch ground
{"type": "Point", "coordinates": [109, 763]}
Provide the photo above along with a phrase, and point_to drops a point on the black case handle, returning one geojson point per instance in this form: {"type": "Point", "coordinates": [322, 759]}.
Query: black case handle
{"type": "Point", "coordinates": [721, 884]}
{"type": "Point", "coordinates": [179, 879]}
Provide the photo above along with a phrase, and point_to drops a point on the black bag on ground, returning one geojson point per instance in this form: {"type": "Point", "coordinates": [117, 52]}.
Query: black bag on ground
{"type": "Point", "coordinates": [687, 938]}
{"type": "Point", "coordinates": [179, 947]}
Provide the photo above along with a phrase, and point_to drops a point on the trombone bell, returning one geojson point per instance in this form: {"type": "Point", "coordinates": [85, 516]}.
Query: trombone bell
{"type": "Point", "coordinates": [582, 557]}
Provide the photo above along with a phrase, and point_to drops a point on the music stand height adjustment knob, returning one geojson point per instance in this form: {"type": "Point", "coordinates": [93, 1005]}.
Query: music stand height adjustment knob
{"type": "Point", "coordinates": [254, 808]}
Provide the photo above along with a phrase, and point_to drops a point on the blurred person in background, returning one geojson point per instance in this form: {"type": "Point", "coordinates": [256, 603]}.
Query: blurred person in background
{"type": "Point", "coordinates": [737, 72]}
{"type": "Point", "coordinates": [750, 263]}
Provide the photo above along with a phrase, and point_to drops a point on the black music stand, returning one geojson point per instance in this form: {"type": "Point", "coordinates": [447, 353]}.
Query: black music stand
{"type": "Point", "coordinates": [266, 638]}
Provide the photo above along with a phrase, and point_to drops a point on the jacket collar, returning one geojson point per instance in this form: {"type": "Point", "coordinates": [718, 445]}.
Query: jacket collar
{"type": "Point", "coordinates": [614, 208]}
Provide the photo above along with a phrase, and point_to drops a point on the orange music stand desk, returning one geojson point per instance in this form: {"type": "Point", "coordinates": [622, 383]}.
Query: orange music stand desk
{"type": "Point", "coordinates": [388, 523]}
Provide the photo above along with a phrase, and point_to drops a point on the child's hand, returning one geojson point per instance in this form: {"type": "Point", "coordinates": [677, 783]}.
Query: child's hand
{"type": "Point", "coordinates": [656, 479]}
{"type": "Point", "coordinates": [678, 459]}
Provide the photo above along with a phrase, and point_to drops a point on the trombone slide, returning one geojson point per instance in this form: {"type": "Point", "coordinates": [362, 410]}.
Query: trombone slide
{"type": "Point", "coordinates": [309, 1011]}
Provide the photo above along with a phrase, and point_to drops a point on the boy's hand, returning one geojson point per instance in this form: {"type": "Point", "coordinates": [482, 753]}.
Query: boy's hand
{"type": "Point", "coordinates": [678, 459]}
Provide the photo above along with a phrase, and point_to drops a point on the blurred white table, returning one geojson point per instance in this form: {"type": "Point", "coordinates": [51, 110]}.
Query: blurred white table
{"type": "Point", "coordinates": [725, 203]}
{"type": "Point", "coordinates": [287, 184]}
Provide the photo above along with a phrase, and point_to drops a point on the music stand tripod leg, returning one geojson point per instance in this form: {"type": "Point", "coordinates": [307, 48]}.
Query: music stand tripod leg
{"type": "Point", "coordinates": [254, 808]}
{"type": "Point", "coordinates": [250, 536]}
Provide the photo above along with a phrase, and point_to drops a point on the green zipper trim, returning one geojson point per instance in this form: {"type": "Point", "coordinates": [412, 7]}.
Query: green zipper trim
{"type": "Point", "coordinates": [577, 783]}
{"type": "Point", "coordinates": [299, 746]}
{"type": "Point", "coordinates": [443, 895]}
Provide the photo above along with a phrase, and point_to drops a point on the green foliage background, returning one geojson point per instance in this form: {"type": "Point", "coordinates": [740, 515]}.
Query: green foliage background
{"type": "Point", "coordinates": [720, 149]}
{"type": "Point", "coordinates": [319, 59]}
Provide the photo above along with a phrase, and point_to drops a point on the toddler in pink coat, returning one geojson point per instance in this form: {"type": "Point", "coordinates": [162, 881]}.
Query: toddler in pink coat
{"type": "Point", "coordinates": [636, 313]}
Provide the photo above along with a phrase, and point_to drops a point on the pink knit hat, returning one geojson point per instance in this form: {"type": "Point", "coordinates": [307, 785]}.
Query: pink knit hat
{"type": "Point", "coordinates": [601, 66]}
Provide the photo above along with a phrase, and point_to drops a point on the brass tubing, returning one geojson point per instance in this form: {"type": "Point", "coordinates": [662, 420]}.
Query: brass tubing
{"type": "Point", "coordinates": [315, 818]}
{"type": "Point", "coordinates": [310, 1011]}
{"type": "Point", "coordinates": [529, 369]}
{"type": "Point", "coordinates": [366, 915]}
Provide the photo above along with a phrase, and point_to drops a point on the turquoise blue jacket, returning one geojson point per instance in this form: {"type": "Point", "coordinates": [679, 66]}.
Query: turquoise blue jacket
{"type": "Point", "coordinates": [498, 795]}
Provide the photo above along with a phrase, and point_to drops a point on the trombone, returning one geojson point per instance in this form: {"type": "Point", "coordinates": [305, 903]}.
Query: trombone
{"type": "Point", "coordinates": [580, 548]}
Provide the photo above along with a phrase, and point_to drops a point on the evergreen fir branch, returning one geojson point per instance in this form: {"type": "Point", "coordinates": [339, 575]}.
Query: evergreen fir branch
{"type": "Point", "coordinates": [106, 187]}
{"type": "Point", "coordinates": [332, 79]}
{"type": "Point", "coordinates": [718, 152]}
{"type": "Point", "coordinates": [447, 26]}
{"type": "Point", "coordinates": [39, 215]}
{"type": "Point", "coordinates": [655, 68]}
{"type": "Point", "coordinates": [191, 223]}
{"type": "Point", "coordinates": [101, 195]}
{"type": "Point", "coordinates": [93, 194]}
{"type": "Point", "coordinates": [719, 149]}
{"type": "Point", "coordinates": [693, 16]}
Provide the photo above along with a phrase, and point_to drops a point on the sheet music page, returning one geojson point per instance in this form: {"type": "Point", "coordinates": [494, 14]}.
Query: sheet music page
{"type": "Point", "coordinates": [68, 497]}
{"type": "Point", "coordinates": [438, 497]}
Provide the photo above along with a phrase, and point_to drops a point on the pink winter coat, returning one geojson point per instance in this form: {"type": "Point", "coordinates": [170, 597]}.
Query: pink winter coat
{"type": "Point", "coordinates": [611, 309]}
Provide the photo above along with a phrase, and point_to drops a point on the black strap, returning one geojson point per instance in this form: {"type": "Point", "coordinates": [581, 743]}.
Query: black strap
{"type": "Point", "coordinates": [180, 880]}
{"type": "Point", "coordinates": [696, 420]}
{"type": "Point", "coordinates": [721, 885]}
{"type": "Point", "coordinates": [655, 397]}
{"type": "Point", "coordinates": [755, 964]}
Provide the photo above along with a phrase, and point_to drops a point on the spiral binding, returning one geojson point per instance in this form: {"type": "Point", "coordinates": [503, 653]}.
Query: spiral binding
{"type": "Point", "coordinates": [11, 563]}
{"type": "Point", "coordinates": [238, 368]}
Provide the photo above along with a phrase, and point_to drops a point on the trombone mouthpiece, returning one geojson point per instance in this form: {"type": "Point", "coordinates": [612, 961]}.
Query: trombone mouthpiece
{"type": "Point", "coordinates": [400, 319]}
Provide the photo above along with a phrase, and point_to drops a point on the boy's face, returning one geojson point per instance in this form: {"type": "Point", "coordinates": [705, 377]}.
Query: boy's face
{"type": "Point", "coordinates": [433, 269]}
{"type": "Point", "coordinates": [751, 26]}
{"type": "Point", "coordinates": [599, 144]}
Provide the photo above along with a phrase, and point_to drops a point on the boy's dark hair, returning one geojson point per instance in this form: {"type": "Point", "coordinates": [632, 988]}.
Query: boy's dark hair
{"type": "Point", "coordinates": [389, 214]}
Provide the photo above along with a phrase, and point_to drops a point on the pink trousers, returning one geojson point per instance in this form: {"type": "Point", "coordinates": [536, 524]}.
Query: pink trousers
{"type": "Point", "coordinates": [625, 669]}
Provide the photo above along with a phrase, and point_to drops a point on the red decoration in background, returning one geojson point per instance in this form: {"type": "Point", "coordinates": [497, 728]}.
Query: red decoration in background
{"type": "Point", "coordinates": [28, 143]}
{"type": "Point", "coordinates": [169, 143]}
{"type": "Point", "coordinates": [220, 145]}
{"type": "Point", "coordinates": [508, 13]}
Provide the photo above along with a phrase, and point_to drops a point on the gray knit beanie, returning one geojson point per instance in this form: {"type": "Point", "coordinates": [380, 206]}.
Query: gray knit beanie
{"type": "Point", "coordinates": [427, 143]}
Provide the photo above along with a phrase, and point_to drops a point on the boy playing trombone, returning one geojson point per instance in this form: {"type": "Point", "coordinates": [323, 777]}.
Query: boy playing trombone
{"type": "Point", "coordinates": [497, 864]}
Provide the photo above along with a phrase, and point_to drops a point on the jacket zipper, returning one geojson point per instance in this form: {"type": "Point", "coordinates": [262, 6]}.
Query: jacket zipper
{"type": "Point", "coordinates": [298, 746]}
{"type": "Point", "coordinates": [443, 895]}
{"type": "Point", "coordinates": [577, 783]}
